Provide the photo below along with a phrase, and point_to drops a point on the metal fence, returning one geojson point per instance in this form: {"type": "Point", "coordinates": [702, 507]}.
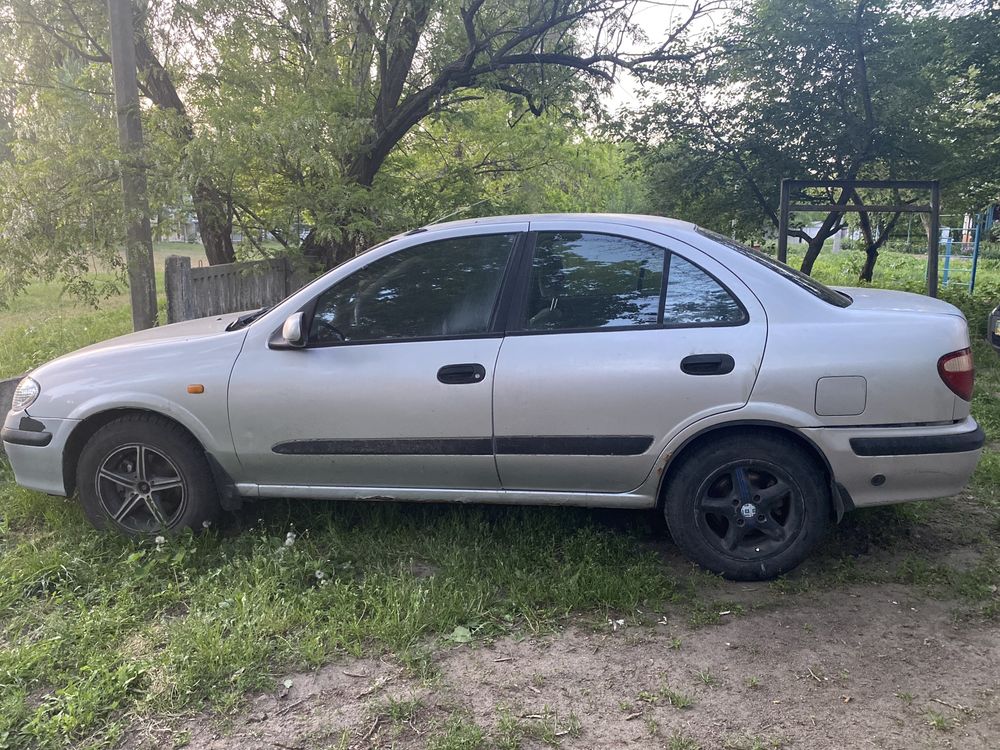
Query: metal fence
{"type": "Point", "coordinates": [232, 287]}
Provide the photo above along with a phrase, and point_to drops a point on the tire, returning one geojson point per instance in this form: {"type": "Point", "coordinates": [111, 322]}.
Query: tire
{"type": "Point", "coordinates": [174, 491]}
{"type": "Point", "coordinates": [749, 507]}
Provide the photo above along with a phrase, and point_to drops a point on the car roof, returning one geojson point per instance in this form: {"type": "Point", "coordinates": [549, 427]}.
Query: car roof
{"type": "Point", "coordinates": [635, 220]}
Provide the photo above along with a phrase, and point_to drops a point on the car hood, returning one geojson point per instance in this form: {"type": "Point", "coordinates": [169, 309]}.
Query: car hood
{"type": "Point", "coordinates": [140, 370]}
{"type": "Point", "coordinates": [187, 330]}
{"type": "Point", "coordinates": [175, 333]}
{"type": "Point", "coordinates": [888, 300]}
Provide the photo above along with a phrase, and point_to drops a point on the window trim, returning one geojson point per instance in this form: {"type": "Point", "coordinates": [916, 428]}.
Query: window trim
{"type": "Point", "coordinates": [518, 313]}
{"type": "Point", "coordinates": [494, 327]}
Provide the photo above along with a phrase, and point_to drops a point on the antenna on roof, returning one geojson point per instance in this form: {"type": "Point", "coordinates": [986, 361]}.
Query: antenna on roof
{"type": "Point", "coordinates": [463, 209]}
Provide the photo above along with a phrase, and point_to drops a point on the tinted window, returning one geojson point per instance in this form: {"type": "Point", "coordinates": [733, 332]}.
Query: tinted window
{"type": "Point", "coordinates": [444, 288]}
{"type": "Point", "coordinates": [798, 278]}
{"type": "Point", "coordinates": [695, 297]}
{"type": "Point", "coordinates": [581, 280]}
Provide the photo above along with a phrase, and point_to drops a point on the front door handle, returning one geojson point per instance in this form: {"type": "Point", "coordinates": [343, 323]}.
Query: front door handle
{"type": "Point", "coordinates": [707, 364]}
{"type": "Point", "coordinates": [463, 373]}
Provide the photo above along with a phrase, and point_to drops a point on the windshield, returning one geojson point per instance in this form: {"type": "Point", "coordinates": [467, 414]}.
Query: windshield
{"type": "Point", "coordinates": [825, 293]}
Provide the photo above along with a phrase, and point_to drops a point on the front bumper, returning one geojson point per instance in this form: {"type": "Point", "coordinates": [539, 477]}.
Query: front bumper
{"type": "Point", "coordinates": [882, 465]}
{"type": "Point", "coordinates": [36, 453]}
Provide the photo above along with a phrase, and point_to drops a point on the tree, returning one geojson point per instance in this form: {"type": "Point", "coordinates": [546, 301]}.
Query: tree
{"type": "Point", "coordinates": [50, 38]}
{"type": "Point", "coordinates": [823, 89]}
{"type": "Point", "coordinates": [318, 95]}
{"type": "Point", "coordinates": [300, 118]}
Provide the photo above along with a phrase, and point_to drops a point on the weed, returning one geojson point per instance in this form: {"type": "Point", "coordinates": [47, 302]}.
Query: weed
{"type": "Point", "coordinates": [707, 678]}
{"type": "Point", "coordinates": [940, 722]}
{"type": "Point", "coordinates": [680, 741]}
{"type": "Point", "coordinates": [458, 733]}
{"type": "Point", "coordinates": [675, 698]}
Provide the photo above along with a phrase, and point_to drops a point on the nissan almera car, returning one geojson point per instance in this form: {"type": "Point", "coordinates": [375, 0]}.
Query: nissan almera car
{"type": "Point", "coordinates": [589, 360]}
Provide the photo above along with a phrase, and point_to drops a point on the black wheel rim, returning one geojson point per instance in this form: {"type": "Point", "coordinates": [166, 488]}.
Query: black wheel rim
{"type": "Point", "coordinates": [141, 489]}
{"type": "Point", "coordinates": [750, 510]}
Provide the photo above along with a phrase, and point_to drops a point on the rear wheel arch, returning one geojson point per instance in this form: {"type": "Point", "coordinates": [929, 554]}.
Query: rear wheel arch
{"type": "Point", "coordinates": [751, 428]}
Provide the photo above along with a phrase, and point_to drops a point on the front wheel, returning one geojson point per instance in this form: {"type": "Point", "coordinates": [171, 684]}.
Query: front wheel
{"type": "Point", "coordinates": [748, 507]}
{"type": "Point", "coordinates": [143, 475]}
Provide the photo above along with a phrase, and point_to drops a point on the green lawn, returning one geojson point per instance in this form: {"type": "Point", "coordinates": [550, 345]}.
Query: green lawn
{"type": "Point", "coordinates": [97, 632]}
{"type": "Point", "coordinates": [46, 321]}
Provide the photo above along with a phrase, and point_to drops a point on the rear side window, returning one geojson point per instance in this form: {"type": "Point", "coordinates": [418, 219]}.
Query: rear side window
{"type": "Point", "coordinates": [581, 280]}
{"type": "Point", "coordinates": [591, 281]}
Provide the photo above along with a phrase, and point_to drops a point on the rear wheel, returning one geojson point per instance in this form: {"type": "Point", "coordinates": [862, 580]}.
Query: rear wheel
{"type": "Point", "coordinates": [143, 475]}
{"type": "Point", "coordinates": [748, 507]}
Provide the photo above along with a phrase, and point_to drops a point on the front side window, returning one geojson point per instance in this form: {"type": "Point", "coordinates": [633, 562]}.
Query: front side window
{"type": "Point", "coordinates": [443, 288]}
{"type": "Point", "coordinates": [582, 280]}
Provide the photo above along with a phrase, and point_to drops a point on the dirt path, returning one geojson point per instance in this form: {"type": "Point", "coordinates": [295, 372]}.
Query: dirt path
{"type": "Point", "coordinates": [856, 668]}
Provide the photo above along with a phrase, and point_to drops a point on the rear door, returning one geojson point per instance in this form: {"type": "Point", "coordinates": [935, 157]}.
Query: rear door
{"type": "Point", "coordinates": [620, 337]}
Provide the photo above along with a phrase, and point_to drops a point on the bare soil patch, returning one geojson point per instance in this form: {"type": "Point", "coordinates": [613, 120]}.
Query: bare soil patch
{"type": "Point", "coordinates": [861, 667]}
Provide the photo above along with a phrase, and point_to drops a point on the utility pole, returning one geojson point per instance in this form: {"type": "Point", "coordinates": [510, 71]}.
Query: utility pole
{"type": "Point", "coordinates": [138, 237]}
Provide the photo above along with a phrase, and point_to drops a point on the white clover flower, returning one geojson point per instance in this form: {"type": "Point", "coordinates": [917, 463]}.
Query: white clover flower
{"type": "Point", "coordinates": [206, 523]}
{"type": "Point", "coordinates": [320, 575]}
{"type": "Point", "coordinates": [160, 540]}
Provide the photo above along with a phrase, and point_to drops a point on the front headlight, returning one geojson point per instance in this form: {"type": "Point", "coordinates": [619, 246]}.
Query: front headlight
{"type": "Point", "coordinates": [25, 394]}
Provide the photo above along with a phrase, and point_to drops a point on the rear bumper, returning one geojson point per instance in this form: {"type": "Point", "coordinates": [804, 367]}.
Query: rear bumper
{"type": "Point", "coordinates": [882, 465]}
{"type": "Point", "coordinates": [36, 455]}
{"type": "Point", "coordinates": [918, 445]}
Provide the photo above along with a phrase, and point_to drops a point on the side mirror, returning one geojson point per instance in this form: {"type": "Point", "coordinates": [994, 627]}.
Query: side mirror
{"type": "Point", "coordinates": [294, 330]}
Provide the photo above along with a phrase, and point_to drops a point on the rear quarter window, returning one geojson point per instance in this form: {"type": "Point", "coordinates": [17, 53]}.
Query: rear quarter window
{"type": "Point", "coordinates": [801, 280]}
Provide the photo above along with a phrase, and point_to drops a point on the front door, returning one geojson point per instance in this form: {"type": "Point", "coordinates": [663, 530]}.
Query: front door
{"type": "Point", "coordinates": [621, 339]}
{"type": "Point", "coordinates": [394, 388]}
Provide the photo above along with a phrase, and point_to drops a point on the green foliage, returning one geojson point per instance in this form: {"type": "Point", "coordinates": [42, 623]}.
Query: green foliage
{"type": "Point", "coordinates": [808, 88]}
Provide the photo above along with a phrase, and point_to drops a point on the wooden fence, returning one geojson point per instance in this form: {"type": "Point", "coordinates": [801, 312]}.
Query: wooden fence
{"type": "Point", "coordinates": [231, 287]}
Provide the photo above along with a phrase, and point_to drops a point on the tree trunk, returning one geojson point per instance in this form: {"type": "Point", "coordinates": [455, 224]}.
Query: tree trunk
{"type": "Point", "coordinates": [215, 222]}
{"type": "Point", "coordinates": [812, 252]}
{"type": "Point", "coordinates": [872, 243]}
{"type": "Point", "coordinates": [324, 255]}
{"type": "Point", "coordinates": [213, 209]}
{"type": "Point", "coordinates": [868, 269]}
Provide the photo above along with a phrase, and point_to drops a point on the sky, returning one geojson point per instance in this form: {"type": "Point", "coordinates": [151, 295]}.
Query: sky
{"type": "Point", "coordinates": [654, 18]}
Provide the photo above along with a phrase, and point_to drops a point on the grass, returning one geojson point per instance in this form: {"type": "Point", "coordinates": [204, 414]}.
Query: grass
{"type": "Point", "coordinates": [46, 321]}
{"type": "Point", "coordinates": [98, 633]}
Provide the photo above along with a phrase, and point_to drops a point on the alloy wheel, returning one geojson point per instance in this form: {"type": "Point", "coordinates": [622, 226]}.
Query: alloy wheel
{"type": "Point", "coordinates": [750, 510]}
{"type": "Point", "coordinates": [141, 489]}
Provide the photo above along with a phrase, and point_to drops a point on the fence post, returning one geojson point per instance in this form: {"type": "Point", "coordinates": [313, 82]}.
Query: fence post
{"type": "Point", "coordinates": [287, 268]}
{"type": "Point", "coordinates": [180, 296]}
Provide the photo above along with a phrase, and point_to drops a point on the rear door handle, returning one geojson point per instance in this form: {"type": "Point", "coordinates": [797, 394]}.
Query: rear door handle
{"type": "Point", "coordinates": [464, 373]}
{"type": "Point", "coordinates": [707, 364]}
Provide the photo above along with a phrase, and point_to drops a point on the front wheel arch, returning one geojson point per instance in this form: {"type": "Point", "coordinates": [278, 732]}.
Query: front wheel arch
{"type": "Point", "coordinates": [87, 429]}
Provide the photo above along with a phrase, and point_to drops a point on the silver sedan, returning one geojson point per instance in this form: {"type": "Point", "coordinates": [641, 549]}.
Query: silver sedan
{"type": "Point", "coordinates": [593, 360]}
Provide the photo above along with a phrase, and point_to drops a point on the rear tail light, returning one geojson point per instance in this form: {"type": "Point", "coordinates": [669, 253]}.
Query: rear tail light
{"type": "Point", "coordinates": [958, 373]}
